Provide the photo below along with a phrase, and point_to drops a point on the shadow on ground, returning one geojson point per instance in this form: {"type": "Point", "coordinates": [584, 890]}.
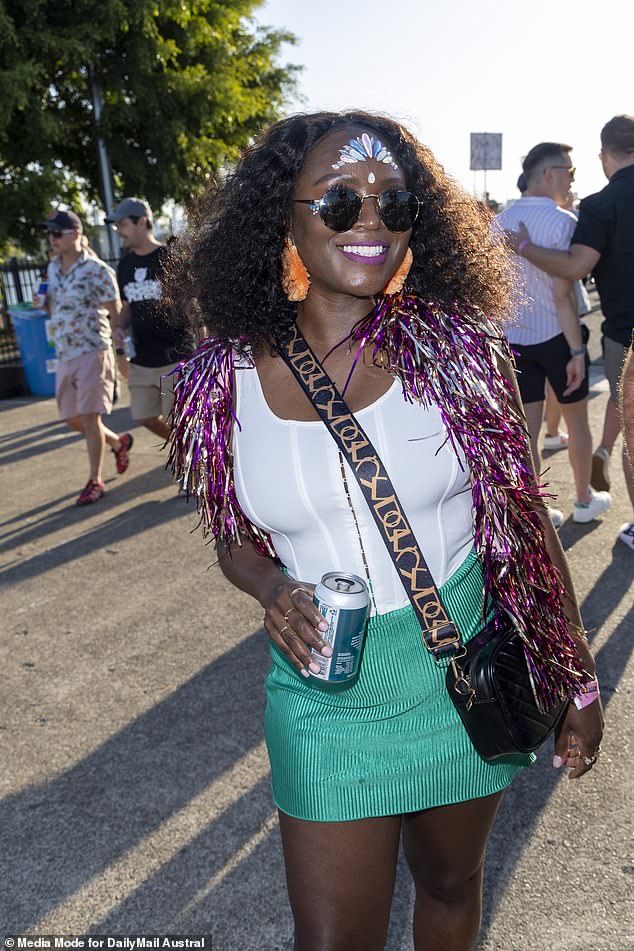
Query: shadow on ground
{"type": "Point", "coordinates": [60, 835]}
{"type": "Point", "coordinates": [126, 521]}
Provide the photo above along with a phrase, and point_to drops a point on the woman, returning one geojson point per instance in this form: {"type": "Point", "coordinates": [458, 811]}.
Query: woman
{"type": "Point", "coordinates": [318, 227]}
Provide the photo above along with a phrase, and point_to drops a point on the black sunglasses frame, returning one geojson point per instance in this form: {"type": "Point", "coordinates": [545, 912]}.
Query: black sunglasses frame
{"type": "Point", "coordinates": [354, 201]}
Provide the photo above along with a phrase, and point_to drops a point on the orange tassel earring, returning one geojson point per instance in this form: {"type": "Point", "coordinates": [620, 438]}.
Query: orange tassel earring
{"type": "Point", "coordinates": [295, 277]}
{"type": "Point", "coordinates": [399, 277]}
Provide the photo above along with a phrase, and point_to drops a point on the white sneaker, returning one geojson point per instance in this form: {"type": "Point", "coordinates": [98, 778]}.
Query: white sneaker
{"type": "Point", "coordinates": [626, 535]}
{"type": "Point", "coordinates": [556, 517]}
{"type": "Point", "coordinates": [598, 504]}
{"type": "Point", "coordinates": [553, 443]}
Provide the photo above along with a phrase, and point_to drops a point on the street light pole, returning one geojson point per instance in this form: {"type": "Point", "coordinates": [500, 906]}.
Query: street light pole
{"type": "Point", "coordinates": [105, 172]}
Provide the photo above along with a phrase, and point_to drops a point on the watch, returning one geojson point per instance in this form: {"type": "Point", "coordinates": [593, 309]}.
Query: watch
{"type": "Point", "coordinates": [578, 351]}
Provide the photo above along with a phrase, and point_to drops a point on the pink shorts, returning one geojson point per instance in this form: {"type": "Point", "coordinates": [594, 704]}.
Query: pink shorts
{"type": "Point", "coordinates": [85, 384]}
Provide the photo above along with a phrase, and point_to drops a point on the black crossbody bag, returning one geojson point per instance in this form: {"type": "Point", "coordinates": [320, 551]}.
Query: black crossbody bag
{"type": "Point", "coordinates": [487, 679]}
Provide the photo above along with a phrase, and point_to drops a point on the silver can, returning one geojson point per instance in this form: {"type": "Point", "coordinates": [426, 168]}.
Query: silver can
{"type": "Point", "coordinates": [39, 297]}
{"type": "Point", "coordinates": [343, 600]}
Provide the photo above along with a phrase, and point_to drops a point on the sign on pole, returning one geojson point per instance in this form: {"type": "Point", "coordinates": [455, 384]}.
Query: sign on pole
{"type": "Point", "coordinates": [486, 151]}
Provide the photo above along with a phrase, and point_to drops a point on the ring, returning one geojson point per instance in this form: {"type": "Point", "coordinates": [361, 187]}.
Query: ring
{"type": "Point", "coordinates": [292, 608]}
{"type": "Point", "coordinates": [297, 589]}
{"type": "Point", "coordinates": [285, 628]}
{"type": "Point", "coordinates": [591, 760]}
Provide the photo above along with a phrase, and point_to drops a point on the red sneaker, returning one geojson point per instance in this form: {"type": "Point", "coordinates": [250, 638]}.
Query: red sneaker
{"type": "Point", "coordinates": [92, 492]}
{"type": "Point", "coordinates": [122, 455]}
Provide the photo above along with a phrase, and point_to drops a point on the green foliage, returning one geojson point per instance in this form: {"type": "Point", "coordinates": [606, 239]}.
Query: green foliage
{"type": "Point", "coordinates": [186, 84]}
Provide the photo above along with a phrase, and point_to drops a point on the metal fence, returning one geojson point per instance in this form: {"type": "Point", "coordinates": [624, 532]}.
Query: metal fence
{"type": "Point", "coordinates": [18, 280]}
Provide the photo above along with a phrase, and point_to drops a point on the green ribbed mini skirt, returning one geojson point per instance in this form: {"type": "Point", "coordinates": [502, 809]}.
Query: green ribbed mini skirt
{"type": "Point", "coordinates": [389, 742]}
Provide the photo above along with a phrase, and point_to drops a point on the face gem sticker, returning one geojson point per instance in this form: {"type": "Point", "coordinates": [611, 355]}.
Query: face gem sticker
{"type": "Point", "coordinates": [371, 178]}
{"type": "Point", "coordinates": [361, 149]}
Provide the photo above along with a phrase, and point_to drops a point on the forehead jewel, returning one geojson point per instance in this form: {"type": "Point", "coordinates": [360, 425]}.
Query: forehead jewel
{"type": "Point", "coordinates": [361, 149]}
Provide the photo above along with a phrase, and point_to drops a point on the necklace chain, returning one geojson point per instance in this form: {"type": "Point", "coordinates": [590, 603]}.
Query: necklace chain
{"type": "Point", "coordinates": [344, 479]}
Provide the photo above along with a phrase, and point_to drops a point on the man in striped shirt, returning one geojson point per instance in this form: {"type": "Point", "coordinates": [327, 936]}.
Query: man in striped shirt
{"type": "Point", "coordinates": [547, 334]}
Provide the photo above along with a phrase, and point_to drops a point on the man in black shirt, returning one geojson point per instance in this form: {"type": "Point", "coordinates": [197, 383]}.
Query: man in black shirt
{"type": "Point", "coordinates": [145, 335]}
{"type": "Point", "coordinates": [603, 242]}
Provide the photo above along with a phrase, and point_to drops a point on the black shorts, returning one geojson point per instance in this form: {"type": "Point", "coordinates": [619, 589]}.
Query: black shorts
{"type": "Point", "coordinates": [547, 361]}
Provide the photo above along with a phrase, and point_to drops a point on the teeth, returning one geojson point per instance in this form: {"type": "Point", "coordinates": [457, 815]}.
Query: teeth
{"type": "Point", "coordinates": [364, 250]}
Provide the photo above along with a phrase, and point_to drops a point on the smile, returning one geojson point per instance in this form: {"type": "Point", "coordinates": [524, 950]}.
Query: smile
{"type": "Point", "coordinates": [372, 253]}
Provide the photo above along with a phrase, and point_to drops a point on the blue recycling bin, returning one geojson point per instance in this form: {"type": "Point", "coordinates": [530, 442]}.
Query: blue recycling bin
{"type": "Point", "coordinates": [36, 348]}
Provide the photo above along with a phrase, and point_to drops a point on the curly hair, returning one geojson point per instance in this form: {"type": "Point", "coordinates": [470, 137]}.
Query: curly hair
{"type": "Point", "coordinates": [227, 275]}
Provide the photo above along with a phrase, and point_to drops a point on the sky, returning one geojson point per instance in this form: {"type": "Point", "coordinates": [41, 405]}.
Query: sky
{"type": "Point", "coordinates": [545, 70]}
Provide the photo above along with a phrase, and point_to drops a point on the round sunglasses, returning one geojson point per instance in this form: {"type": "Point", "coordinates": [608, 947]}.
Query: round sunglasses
{"type": "Point", "coordinates": [339, 208]}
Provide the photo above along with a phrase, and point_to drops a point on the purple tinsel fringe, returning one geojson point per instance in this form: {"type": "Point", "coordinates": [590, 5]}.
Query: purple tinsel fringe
{"type": "Point", "coordinates": [452, 360]}
{"type": "Point", "coordinates": [201, 455]}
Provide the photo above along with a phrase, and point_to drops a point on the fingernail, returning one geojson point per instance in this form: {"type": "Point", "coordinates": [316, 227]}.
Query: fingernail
{"type": "Point", "coordinates": [557, 762]}
{"type": "Point", "coordinates": [322, 626]}
{"type": "Point", "coordinates": [314, 666]}
{"type": "Point", "coordinates": [304, 672]}
{"type": "Point", "coordinates": [327, 650]}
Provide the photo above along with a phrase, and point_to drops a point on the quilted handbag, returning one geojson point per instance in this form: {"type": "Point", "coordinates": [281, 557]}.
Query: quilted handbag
{"type": "Point", "coordinates": [491, 689]}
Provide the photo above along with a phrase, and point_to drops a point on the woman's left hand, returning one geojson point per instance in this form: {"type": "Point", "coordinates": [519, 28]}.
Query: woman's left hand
{"type": "Point", "coordinates": [578, 739]}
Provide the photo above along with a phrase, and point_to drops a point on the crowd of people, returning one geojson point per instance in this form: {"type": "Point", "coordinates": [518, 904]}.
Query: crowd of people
{"type": "Point", "coordinates": [342, 235]}
{"type": "Point", "coordinates": [103, 323]}
{"type": "Point", "coordinates": [557, 251]}
{"type": "Point", "coordinates": [548, 337]}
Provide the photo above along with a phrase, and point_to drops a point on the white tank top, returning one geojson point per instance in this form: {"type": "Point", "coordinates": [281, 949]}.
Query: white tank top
{"type": "Point", "coordinates": [289, 483]}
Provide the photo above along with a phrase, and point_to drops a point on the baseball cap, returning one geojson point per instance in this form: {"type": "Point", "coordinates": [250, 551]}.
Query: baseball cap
{"type": "Point", "coordinates": [63, 221]}
{"type": "Point", "coordinates": [130, 208]}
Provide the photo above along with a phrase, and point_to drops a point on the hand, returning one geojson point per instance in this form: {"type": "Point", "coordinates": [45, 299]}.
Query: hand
{"type": "Point", "coordinates": [513, 239]}
{"type": "Point", "coordinates": [575, 373]}
{"type": "Point", "coordinates": [293, 622]}
{"type": "Point", "coordinates": [122, 365]}
{"type": "Point", "coordinates": [578, 736]}
{"type": "Point", "coordinates": [119, 335]}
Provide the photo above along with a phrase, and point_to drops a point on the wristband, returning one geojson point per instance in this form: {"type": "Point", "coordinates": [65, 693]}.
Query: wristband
{"type": "Point", "coordinates": [120, 352]}
{"type": "Point", "coordinates": [588, 693]}
{"type": "Point", "coordinates": [578, 351]}
{"type": "Point", "coordinates": [522, 245]}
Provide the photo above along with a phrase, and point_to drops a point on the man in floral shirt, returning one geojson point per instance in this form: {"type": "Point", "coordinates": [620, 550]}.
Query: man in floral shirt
{"type": "Point", "coordinates": [82, 299]}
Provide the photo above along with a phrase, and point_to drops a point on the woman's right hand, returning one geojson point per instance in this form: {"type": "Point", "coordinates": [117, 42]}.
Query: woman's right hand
{"type": "Point", "coordinates": [293, 622]}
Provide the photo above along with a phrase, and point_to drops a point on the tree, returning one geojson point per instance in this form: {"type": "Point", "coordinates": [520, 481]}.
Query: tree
{"type": "Point", "coordinates": [186, 84]}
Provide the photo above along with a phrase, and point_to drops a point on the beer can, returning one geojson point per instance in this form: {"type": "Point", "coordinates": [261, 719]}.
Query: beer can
{"type": "Point", "coordinates": [343, 600]}
{"type": "Point", "coordinates": [39, 298]}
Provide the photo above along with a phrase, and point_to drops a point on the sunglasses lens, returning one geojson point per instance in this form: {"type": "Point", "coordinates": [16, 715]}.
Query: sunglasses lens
{"type": "Point", "coordinates": [398, 210]}
{"type": "Point", "coordinates": [339, 208]}
{"type": "Point", "coordinates": [55, 234]}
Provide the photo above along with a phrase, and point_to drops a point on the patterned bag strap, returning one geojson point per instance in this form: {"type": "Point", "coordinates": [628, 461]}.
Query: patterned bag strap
{"type": "Point", "coordinates": [440, 635]}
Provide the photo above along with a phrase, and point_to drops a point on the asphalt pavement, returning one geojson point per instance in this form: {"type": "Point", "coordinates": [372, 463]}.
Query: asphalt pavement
{"type": "Point", "coordinates": [134, 776]}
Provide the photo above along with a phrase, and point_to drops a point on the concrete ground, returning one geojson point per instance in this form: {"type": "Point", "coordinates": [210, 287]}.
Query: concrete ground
{"type": "Point", "coordinates": [134, 776]}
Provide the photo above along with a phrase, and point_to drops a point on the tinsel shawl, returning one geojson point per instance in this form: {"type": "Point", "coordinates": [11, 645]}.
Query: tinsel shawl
{"type": "Point", "coordinates": [448, 359]}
